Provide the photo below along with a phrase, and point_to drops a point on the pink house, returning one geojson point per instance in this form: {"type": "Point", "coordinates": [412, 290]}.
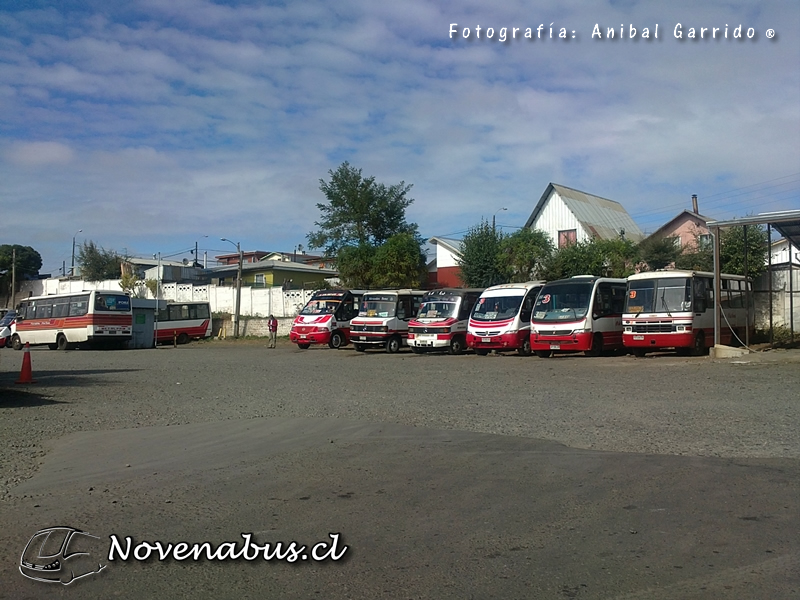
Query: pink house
{"type": "Point", "coordinates": [687, 229]}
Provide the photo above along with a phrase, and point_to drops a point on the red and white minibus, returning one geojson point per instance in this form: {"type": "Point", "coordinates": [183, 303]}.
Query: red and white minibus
{"type": "Point", "coordinates": [675, 309]}
{"type": "Point", "coordinates": [325, 319]}
{"type": "Point", "coordinates": [383, 318]}
{"type": "Point", "coordinates": [580, 314]}
{"type": "Point", "coordinates": [180, 322]}
{"type": "Point", "coordinates": [441, 322]}
{"type": "Point", "coordinates": [63, 320]}
{"type": "Point", "coordinates": [501, 318]}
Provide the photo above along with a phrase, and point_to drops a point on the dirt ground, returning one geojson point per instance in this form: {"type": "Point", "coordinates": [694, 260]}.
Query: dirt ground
{"type": "Point", "coordinates": [445, 476]}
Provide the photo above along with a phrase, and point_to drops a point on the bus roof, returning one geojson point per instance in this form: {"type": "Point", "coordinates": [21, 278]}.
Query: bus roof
{"type": "Point", "coordinates": [679, 273]}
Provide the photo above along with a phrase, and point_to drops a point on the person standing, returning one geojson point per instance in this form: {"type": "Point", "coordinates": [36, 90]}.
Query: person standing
{"type": "Point", "coordinates": [272, 324]}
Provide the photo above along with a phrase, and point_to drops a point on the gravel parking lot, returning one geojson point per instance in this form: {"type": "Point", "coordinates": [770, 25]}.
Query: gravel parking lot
{"type": "Point", "coordinates": [664, 405]}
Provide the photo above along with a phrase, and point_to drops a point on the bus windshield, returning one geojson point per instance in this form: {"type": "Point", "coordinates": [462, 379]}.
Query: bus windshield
{"type": "Point", "coordinates": [669, 294]}
{"type": "Point", "coordinates": [437, 310]}
{"type": "Point", "coordinates": [563, 301]}
{"type": "Point", "coordinates": [320, 307]}
{"type": "Point", "coordinates": [378, 306]}
{"type": "Point", "coordinates": [497, 308]}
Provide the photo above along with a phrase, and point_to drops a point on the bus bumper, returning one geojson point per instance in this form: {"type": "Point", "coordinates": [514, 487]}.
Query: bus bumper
{"type": "Point", "coordinates": [655, 341]}
{"type": "Point", "coordinates": [577, 342]}
{"type": "Point", "coordinates": [504, 341]}
{"type": "Point", "coordinates": [429, 340]}
{"type": "Point", "coordinates": [311, 337]}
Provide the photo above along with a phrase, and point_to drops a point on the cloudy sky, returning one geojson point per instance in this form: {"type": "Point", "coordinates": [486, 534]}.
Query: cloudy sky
{"type": "Point", "coordinates": [149, 124]}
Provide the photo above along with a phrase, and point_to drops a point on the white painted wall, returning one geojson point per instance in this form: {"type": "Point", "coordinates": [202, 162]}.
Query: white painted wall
{"type": "Point", "coordinates": [555, 217]}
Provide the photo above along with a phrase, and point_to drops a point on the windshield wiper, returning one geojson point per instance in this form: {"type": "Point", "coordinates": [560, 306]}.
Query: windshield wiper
{"type": "Point", "coordinates": [666, 306]}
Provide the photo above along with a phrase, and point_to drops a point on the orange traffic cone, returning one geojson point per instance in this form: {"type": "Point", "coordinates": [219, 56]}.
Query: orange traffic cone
{"type": "Point", "coordinates": [26, 374]}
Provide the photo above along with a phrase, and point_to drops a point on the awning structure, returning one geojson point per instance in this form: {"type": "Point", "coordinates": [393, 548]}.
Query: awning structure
{"type": "Point", "coordinates": [786, 223]}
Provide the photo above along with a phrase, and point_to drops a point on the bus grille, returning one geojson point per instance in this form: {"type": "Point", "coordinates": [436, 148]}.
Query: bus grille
{"type": "Point", "coordinates": [557, 332]}
{"type": "Point", "coordinates": [653, 328]}
{"type": "Point", "coordinates": [367, 328]}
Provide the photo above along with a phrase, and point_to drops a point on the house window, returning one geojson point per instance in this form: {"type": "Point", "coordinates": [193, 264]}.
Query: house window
{"type": "Point", "coordinates": [567, 237]}
{"type": "Point", "coordinates": [260, 281]}
{"type": "Point", "coordinates": [705, 241]}
{"type": "Point", "coordinates": [676, 239]}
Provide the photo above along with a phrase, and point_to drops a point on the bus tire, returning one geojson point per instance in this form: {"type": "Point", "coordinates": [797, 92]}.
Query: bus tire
{"type": "Point", "coordinates": [525, 349]}
{"type": "Point", "coordinates": [61, 342]}
{"type": "Point", "coordinates": [336, 341]}
{"type": "Point", "coordinates": [481, 352]}
{"type": "Point", "coordinates": [304, 346]}
{"type": "Point", "coordinates": [16, 343]}
{"type": "Point", "coordinates": [699, 348]}
{"type": "Point", "coordinates": [417, 350]}
{"type": "Point", "coordinates": [183, 338]}
{"type": "Point", "coordinates": [393, 344]}
{"type": "Point", "coordinates": [359, 347]}
{"type": "Point", "coordinates": [544, 353]}
{"type": "Point", "coordinates": [597, 345]}
{"type": "Point", "coordinates": [456, 345]}
{"type": "Point", "coordinates": [639, 352]}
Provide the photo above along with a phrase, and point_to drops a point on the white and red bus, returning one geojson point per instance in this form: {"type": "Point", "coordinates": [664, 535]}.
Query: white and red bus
{"type": "Point", "coordinates": [325, 319]}
{"type": "Point", "coordinates": [441, 321]}
{"type": "Point", "coordinates": [181, 322]}
{"type": "Point", "coordinates": [383, 318]}
{"type": "Point", "coordinates": [501, 318]}
{"type": "Point", "coordinates": [675, 309]}
{"type": "Point", "coordinates": [580, 314]}
{"type": "Point", "coordinates": [64, 320]}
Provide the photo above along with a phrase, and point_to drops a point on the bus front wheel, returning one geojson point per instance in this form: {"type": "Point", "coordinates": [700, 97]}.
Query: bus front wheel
{"type": "Point", "coordinates": [699, 348]}
{"type": "Point", "coordinates": [525, 349]}
{"type": "Point", "coordinates": [597, 346]}
{"type": "Point", "coordinates": [183, 338]}
{"type": "Point", "coordinates": [456, 345]}
{"type": "Point", "coordinates": [61, 342]}
{"type": "Point", "coordinates": [16, 343]}
{"type": "Point", "coordinates": [393, 344]}
{"type": "Point", "coordinates": [336, 341]}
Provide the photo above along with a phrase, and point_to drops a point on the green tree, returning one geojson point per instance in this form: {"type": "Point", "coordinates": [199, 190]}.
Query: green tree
{"type": "Point", "coordinates": [359, 211]}
{"type": "Point", "coordinates": [28, 262]}
{"type": "Point", "coordinates": [526, 251]}
{"type": "Point", "coordinates": [603, 258]}
{"type": "Point", "coordinates": [364, 226]}
{"type": "Point", "coordinates": [732, 250]}
{"type": "Point", "coordinates": [658, 252]}
{"type": "Point", "coordinates": [97, 263]}
{"type": "Point", "coordinates": [482, 261]}
{"type": "Point", "coordinates": [399, 263]}
{"type": "Point", "coordinates": [354, 264]}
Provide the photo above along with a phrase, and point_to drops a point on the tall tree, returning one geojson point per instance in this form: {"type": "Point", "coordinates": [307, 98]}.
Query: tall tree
{"type": "Point", "coordinates": [399, 263]}
{"type": "Point", "coordinates": [28, 262]}
{"type": "Point", "coordinates": [658, 252]}
{"type": "Point", "coordinates": [604, 258]}
{"type": "Point", "coordinates": [732, 250]}
{"type": "Point", "coordinates": [482, 261]}
{"type": "Point", "coordinates": [97, 263]}
{"type": "Point", "coordinates": [359, 211]}
{"type": "Point", "coordinates": [526, 252]}
{"type": "Point", "coordinates": [364, 226]}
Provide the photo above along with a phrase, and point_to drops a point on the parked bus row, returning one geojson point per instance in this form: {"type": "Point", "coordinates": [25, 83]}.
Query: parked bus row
{"type": "Point", "coordinates": [646, 312]}
{"type": "Point", "coordinates": [101, 319]}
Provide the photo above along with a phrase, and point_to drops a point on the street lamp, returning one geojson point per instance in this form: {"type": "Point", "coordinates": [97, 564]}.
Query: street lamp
{"type": "Point", "coordinates": [494, 215]}
{"type": "Point", "coordinates": [72, 269]}
{"type": "Point", "coordinates": [238, 288]}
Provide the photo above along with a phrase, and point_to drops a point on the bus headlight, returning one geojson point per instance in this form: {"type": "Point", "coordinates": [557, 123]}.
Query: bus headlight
{"type": "Point", "coordinates": [628, 330]}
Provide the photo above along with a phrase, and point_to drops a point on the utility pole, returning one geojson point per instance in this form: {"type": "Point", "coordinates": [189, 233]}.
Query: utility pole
{"type": "Point", "coordinates": [13, 278]}
{"type": "Point", "coordinates": [237, 313]}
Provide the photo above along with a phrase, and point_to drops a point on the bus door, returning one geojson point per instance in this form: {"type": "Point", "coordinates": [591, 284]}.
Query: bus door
{"type": "Point", "coordinates": [606, 314]}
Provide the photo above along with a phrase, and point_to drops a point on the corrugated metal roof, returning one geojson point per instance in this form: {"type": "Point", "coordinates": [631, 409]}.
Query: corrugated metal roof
{"type": "Point", "coordinates": [786, 222]}
{"type": "Point", "coordinates": [601, 217]}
